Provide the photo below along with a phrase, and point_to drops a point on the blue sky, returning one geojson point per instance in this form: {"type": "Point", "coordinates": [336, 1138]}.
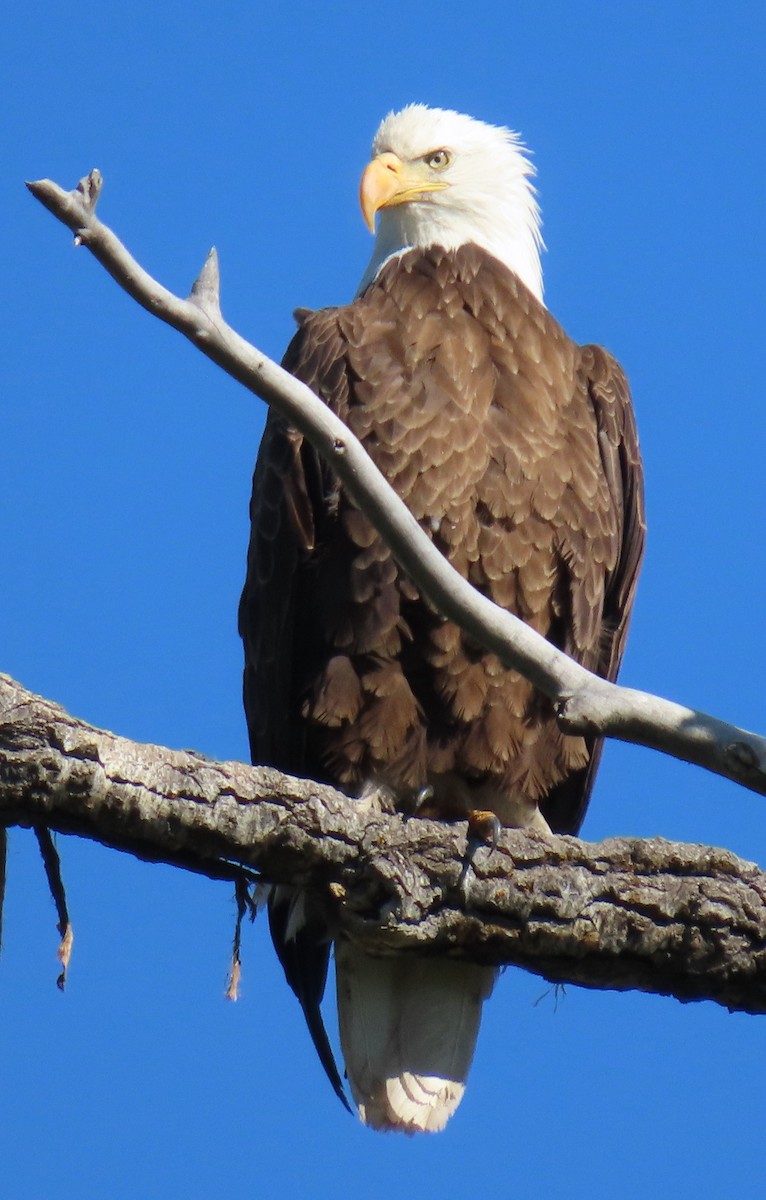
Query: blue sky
{"type": "Point", "coordinates": [125, 467]}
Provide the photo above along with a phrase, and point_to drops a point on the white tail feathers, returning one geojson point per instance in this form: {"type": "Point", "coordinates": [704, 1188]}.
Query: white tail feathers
{"type": "Point", "coordinates": [408, 1027]}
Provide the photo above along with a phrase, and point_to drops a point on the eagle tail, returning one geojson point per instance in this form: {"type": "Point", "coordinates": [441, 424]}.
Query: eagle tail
{"type": "Point", "coordinates": [408, 1028]}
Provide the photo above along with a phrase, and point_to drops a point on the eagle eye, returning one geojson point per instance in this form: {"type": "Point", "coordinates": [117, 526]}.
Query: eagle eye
{"type": "Point", "coordinates": [437, 160]}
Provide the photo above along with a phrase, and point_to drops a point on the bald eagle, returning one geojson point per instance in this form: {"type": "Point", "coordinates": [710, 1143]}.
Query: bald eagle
{"type": "Point", "coordinates": [517, 452]}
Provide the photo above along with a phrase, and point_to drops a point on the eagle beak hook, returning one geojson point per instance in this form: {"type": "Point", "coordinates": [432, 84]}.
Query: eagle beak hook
{"type": "Point", "coordinates": [382, 181]}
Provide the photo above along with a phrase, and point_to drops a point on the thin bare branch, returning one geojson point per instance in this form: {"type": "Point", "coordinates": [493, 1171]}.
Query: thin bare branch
{"type": "Point", "coordinates": [585, 703]}
{"type": "Point", "coordinates": [687, 921]}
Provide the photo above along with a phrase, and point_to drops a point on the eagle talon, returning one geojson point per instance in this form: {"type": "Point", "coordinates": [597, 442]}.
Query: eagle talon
{"type": "Point", "coordinates": [484, 828]}
{"type": "Point", "coordinates": [424, 795]}
{"type": "Point", "coordinates": [467, 867]}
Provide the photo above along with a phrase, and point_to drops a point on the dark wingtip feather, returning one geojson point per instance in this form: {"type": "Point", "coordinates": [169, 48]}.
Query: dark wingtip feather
{"type": "Point", "coordinates": [322, 1046]}
{"type": "Point", "coordinates": [305, 956]}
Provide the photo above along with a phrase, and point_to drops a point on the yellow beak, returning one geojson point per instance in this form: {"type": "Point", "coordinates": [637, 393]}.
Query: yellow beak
{"type": "Point", "coordinates": [387, 181]}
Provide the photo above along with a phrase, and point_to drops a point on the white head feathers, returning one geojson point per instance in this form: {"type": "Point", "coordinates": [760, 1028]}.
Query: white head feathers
{"type": "Point", "coordinates": [485, 193]}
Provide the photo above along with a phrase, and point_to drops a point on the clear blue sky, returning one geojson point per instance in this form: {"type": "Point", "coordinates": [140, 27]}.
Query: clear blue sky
{"type": "Point", "coordinates": [125, 465]}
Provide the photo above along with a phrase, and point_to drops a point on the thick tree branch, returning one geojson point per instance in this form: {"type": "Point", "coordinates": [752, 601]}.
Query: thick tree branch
{"type": "Point", "coordinates": [585, 703]}
{"type": "Point", "coordinates": [687, 921]}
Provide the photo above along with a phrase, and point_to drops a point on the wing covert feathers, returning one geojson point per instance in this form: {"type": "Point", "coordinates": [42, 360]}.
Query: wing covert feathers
{"type": "Point", "coordinates": [515, 449]}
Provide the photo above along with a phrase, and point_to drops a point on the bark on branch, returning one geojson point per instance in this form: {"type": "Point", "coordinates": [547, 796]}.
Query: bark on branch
{"type": "Point", "coordinates": [687, 921]}
{"type": "Point", "coordinates": [585, 703]}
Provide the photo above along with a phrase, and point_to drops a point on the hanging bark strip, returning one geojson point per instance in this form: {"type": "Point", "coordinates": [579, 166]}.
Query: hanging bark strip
{"type": "Point", "coordinates": [52, 864]}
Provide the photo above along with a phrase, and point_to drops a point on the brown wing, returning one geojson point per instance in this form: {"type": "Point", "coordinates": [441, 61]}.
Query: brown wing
{"type": "Point", "coordinates": [291, 506]}
{"type": "Point", "coordinates": [609, 393]}
{"type": "Point", "coordinates": [288, 593]}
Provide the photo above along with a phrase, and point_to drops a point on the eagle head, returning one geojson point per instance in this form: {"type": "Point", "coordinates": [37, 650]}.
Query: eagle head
{"type": "Point", "coordinates": [439, 178]}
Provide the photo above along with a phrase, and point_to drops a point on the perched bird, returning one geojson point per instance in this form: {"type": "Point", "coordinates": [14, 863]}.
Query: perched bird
{"type": "Point", "coordinates": [516, 450]}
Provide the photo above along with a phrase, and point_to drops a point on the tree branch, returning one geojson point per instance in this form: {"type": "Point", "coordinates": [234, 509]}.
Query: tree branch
{"type": "Point", "coordinates": [585, 703]}
{"type": "Point", "coordinates": [687, 921]}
